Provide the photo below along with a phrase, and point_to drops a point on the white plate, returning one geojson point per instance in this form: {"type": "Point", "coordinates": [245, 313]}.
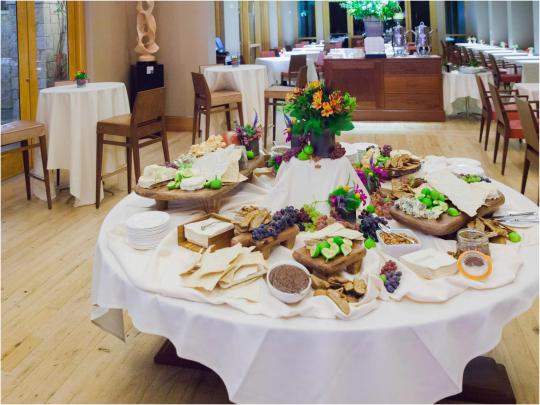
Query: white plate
{"type": "Point", "coordinates": [148, 232]}
{"type": "Point", "coordinates": [467, 169]}
{"type": "Point", "coordinates": [463, 161]}
{"type": "Point", "coordinates": [149, 220]}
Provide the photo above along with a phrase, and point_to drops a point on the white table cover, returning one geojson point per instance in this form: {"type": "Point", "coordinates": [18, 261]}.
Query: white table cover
{"type": "Point", "coordinates": [457, 85]}
{"type": "Point", "coordinates": [250, 80]}
{"type": "Point", "coordinates": [528, 89]}
{"type": "Point", "coordinates": [529, 70]}
{"type": "Point", "coordinates": [406, 352]}
{"type": "Point", "coordinates": [71, 115]}
{"type": "Point", "coordinates": [276, 65]}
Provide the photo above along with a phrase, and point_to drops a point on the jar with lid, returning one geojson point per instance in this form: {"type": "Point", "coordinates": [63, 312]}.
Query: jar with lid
{"type": "Point", "coordinates": [472, 239]}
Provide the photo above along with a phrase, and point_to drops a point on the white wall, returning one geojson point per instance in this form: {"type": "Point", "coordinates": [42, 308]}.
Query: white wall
{"type": "Point", "coordinates": [477, 19]}
{"type": "Point", "coordinates": [535, 26]}
{"type": "Point", "coordinates": [498, 21]}
{"type": "Point", "coordinates": [520, 23]}
{"type": "Point", "coordinates": [231, 24]}
{"type": "Point", "coordinates": [273, 24]}
{"type": "Point", "coordinates": [289, 23]}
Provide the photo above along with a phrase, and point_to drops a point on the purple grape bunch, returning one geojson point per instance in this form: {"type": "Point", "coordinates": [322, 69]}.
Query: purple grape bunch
{"type": "Point", "coordinates": [281, 220]}
{"type": "Point", "coordinates": [391, 276]}
{"type": "Point", "coordinates": [369, 224]}
{"type": "Point", "coordinates": [385, 151]}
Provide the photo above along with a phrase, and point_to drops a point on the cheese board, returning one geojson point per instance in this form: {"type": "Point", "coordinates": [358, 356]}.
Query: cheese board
{"type": "Point", "coordinates": [208, 198]}
{"type": "Point", "coordinates": [393, 173]}
{"type": "Point", "coordinates": [318, 265]}
{"type": "Point", "coordinates": [445, 224]}
{"type": "Point", "coordinates": [266, 245]}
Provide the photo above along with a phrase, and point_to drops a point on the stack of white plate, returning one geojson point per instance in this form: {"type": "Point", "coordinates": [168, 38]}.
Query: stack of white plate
{"type": "Point", "coordinates": [146, 229]}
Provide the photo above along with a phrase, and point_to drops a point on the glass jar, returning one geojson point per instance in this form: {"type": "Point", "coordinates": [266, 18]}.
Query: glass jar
{"type": "Point", "coordinates": [472, 239]}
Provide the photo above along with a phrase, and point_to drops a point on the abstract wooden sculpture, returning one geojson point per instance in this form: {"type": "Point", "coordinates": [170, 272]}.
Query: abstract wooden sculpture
{"type": "Point", "coordinates": [146, 31]}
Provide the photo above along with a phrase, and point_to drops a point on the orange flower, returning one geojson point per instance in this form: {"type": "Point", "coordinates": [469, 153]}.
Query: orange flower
{"type": "Point", "coordinates": [317, 100]}
{"type": "Point", "coordinates": [290, 97]}
{"type": "Point", "coordinates": [327, 110]}
{"type": "Point", "coordinates": [314, 85]}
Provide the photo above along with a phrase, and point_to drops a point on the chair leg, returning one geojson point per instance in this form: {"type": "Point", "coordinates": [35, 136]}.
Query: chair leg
{"type": "Point", "coordinates": [228, 117]}
{"type": "Point", "coordinates": [482, 121]}
{"type": "Point", "coordinates": [497, 137]}
{"type": "Point", "coordinates": [165, 145]}
{"type": "Point", "coordinates": [26, 163]}
{"type": "Point", "coordinates": [240, 113]}
{"type": "Point", "coordinates": [43, 149]}
{"type": "Point", "coordinates": [129, 161]}
{"type": "Point", "coordinates": [526, 167]}
{"type": "Point", "coordinates": [266, 107]}
{"type": "Point", "coordinates": [505, 153]}
{"type": "Point", "coordinates": [136, 158]}
{"type": "Point", "coordinates": [274, 117]}
{"type": "Point", "coordinates": [488, 125]}
{"type": "Point", "coordinates": [99, 162]}
{"type": "Point", "coordinates": [195, 123]}
{"type": "Point", "coordinates": [207, 125]}
{"type": "Point", "coordinates": [57, 177]}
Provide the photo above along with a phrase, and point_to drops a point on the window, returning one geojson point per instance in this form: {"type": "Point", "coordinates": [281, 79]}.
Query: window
{"type": "Point", "coordinates": [455, 17]}
{"type": "Point", "coordinates": [338, 19]}
{"type": "Point", "coordinates": [306, 20]}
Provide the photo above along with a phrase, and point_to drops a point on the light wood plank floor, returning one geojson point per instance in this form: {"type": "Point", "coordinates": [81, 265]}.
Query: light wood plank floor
{"type": "Point", "coordinates": [52, 353]}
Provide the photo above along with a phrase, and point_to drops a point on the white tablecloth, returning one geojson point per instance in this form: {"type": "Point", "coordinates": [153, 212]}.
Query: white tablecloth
{"type": "Point", "coordinates": [528, 89]}
{"type": "Point", "coordinates": [404, 351]}
{"type": "Point", "coordinates": [529, 70]}
{"type": "Point", "coordinates": [71, 115]}
{"type": "Point", "coordinates": [457, 86]}
{"type": "Point", "coordinates": [276, 65]}
{"type": "Point", "coordinates": [250, 80]}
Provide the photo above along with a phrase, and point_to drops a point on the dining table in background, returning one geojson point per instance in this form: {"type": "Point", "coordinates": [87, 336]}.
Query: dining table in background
{"type": "Point", "coordinates": [460, 91]}
{"type": "Point", "coordinates": [71, 115]}
{"type": "Point", "coordinates": [529, 70]}
{"type": "Point", "coordinates": [530, 90]}
{"type": "Point", "coordinates": [277, 64]}
{"type": "Point", "coordinates": [250, 80]}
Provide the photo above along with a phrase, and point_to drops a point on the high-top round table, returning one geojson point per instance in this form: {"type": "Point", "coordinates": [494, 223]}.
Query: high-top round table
{"type": "Point", "coordinates": [71, 115]}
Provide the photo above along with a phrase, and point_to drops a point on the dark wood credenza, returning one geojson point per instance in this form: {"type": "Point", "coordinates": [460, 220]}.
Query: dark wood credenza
{"type": "Point", "coordinates": [391, 89]}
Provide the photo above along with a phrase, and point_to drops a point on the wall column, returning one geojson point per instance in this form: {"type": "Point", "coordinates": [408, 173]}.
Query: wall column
{"type": "Point", "coordinates": [498, 21]}
{"type": "Point", "coordinates": [520, 23]}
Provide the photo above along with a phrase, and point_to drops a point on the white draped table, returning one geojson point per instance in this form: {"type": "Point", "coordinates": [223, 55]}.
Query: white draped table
{"type": "Point", "coordinates": [71, 115]}
{"type": "Point", "coordinates": [250, 80]}
{"type": "Point", "coordinates": [278, 64]}
{"type": "Point", "coordinates": [528, 89]}
{"type": "Point", "coordinates": [460, 89]}
{"type": "Point", "coordinates": [405, 352]}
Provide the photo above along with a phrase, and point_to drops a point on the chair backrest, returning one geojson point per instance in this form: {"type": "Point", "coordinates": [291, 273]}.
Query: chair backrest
{"type": "Point", "coordinates": [301, 79]}
{"type": "Point", "coordinates": [296, 62]}
{"type": "Point", "coordinates": [149, 106]}
{"type": "Point", "coordinates": [495, 70]}
{"type": "Point", "coordinates": [484, 98]}
{"type": "Point", "coordinates": [63, 83]}
{"type": "Point", "coordinates": [268, 54]}
{"type": "Point", "coordinates": [529, 123]}
{"type": "Point", "coordinates": [202, 92]}
{"type": "Point", "coordinates": [464, 57]}
{"type": "Point", "coordinates": [444, 52]}
{"type": "Point", "coordinates": [320, 58]}
{"type": "Point", "coordinates": [472, 56]}
{"type": "Point", "coordinates": [288, 48]}
{"type": "Point", "coordinates": [299, 45]}
{"type": "Point", "coordinates": [483, 60]}
{"type": "Point", "coordinates": [500, 112]}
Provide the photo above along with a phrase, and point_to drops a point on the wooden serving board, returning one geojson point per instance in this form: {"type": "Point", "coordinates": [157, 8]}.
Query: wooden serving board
{"type": "Point", "coordinates": [318, 265]}
{"type": "Point", "coordinates": [208, 198]}
{"type": "Point", "coordinates": [265, 246]}
{"type": "Point", "coordinates": [395, 173]}
{"type": "Point", "coordinates": [445, 224]}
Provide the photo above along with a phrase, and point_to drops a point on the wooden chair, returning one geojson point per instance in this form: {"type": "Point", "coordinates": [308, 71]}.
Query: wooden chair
{"type": "Point", "coordinates": [268, 54]}
{"type": "Point", "coordinates": [444, 50]}
{"type": "Point", "coordinates": [507, 126]}
{"type": "Point", "coordinates": [488, 111]}
{"type": "Point", "coordinates": [275, 96]}
{"type": "Point", "coordinates": [22, 132]}
{"type": "Point", "coordinates": [319, 64]}
{"type": "Point", "coordinates": [296, 62]}
{"type": "Point", "coordinates": [208, 103]}
{"type": "Point", "coordinates": [505, 78]}
{"type": "Point", "coordinates": [472, 56]}
{"type": "Point", "coordinates": [529, 122]}
{"type": "Point", "coordinates": [146, 123]}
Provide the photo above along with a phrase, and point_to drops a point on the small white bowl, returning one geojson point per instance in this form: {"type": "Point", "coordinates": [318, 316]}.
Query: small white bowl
{"type": "Point", "coordinates": [288, 298]}
{"type": "Point", "coordinates": [401, 249]}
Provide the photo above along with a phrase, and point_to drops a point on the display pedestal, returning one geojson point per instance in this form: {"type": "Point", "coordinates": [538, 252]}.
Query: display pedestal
{"type": "Point", "coordinates": [144, 76]}
{"type": "Point", "coordinates": [484, 380]}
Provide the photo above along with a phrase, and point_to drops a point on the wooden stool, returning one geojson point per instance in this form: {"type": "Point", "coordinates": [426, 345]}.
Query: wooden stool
{"type": "Point", "coordinates": [23, 132]}
{"type": "Point", "coordinates": [208, 103]}
{"type": "Point", "coordinates": [147, 122]}
{"type": "Point", "coordinates": [275, 96]}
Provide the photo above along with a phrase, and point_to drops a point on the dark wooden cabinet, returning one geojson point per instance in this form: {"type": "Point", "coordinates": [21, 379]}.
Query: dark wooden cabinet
{"type": "Point", "coordinates": [392, 89]}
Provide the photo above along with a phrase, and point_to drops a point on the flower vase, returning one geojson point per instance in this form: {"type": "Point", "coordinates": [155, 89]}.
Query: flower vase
{"type": "Point", "coordinates": [254, 146]}
{"type": "Point", "coordinates": [346, 215]}
{"type": "Point", "coordinates": [81, 83]}
{"type": "Point", "coordinates": [373, 27]}
{"type": "Point", "coordinates": [296, 141]}
{"type": "Point", "coordinates": [323, 144]}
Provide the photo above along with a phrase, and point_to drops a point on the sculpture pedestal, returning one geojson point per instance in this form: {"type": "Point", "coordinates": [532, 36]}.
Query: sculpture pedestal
{"type": "Point", "coordinates": [145, 76]}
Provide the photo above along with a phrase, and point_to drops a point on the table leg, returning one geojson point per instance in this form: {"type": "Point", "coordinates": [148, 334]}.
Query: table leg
{"type": "Point", "coordinates": [484, 380]}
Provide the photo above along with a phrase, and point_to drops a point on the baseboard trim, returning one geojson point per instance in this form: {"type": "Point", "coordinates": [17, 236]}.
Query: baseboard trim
{"type": "Point", "coordinates": [178, 123]}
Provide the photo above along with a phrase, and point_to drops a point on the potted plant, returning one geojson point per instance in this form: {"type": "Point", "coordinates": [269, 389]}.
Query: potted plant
{"type": "Point", "coordinates": [344, 201]}
{"type": "Point", "coordinates": [320, 114]}
{"type": "Point", "coordinates": [249, 135]}
{"type": "Point", "coordinates": [373, 12]}
{"type": "Point", "coordinates": [81, 78]}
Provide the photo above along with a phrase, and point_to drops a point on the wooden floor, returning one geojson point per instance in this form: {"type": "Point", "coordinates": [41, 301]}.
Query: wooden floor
{"type": "Point", "coordinates": [51, 352]}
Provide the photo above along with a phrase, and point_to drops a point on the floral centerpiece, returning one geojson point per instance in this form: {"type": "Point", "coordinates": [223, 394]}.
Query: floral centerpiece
{"type": "Point", "coordinates": [371, 176]}
{"type": "Point", "coordinates": [81, 78]}
{"type": "Point", "coordinates": [249, 135]}
{"type": "Point", "coordinates": [320, 114]}
{"type": "Point", "coordinates": [344, 201]}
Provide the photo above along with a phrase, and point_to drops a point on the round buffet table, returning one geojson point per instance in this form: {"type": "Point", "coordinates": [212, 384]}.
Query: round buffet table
{"type": "Point", "coordinates": [250, 80]}
{"type": "Point", "coordinates": [278, 64]}
{"type": "Point", "coordinates": [406, 351]}
{"type": "Point", "coordinates": [71, 115]}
